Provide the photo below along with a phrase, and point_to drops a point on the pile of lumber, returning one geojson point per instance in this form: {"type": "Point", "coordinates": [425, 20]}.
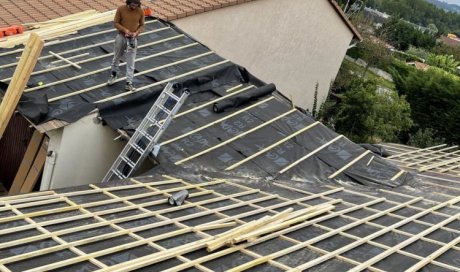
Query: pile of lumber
{"type": "Point", "coordinates": [267, 224]}
{"type": "Point", "coordinates": [59, 27]}
{"type": "Point", "coordinates": [247, 232]}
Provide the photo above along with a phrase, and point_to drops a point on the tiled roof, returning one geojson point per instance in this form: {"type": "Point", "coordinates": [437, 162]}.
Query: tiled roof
{"type": "Point", "coordinates": [13, 12]}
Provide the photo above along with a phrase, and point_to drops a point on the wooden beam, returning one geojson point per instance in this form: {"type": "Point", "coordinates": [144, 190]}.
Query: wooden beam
{"type": "Point", "coordinates": [414, 151]}
{"type": "Point", "coordinates": [65, 59]}
{"type": "Point", "coordinates": [429, 153]}
{"type": "Point", "coordinates": [26, 163]}
{"type": "Point", "coordinates": [79, 49]}
{"type": "Point", "coordinates": [272, 146]}
{"type": "Point", "coordinates": [215, 100]}
{"type": "Point", "coordinates": [217, 121]}
{"type": "Point", "coordinates": [106, 68]}
{"type": "Point", "coordinates": [438, 164]}
{"type": "Point", "coordinates": [157, 83]}
{"type": "Point", "coordinates": [36, 169]}
{"type": "Point", "coordinates": [310, 154]}
{"type": "Point", "coordinates": [20, 78]}
{"type": "Point", "coordinates": [234, 138]}
{"type": "Point", "coordinates": [397, 175]}
{"type": "Point", "coordinates": [62, 29]}
{"type": "Point", "coordinates": [433, 256]}
{"type": "Point", "coordinates": [403, 244]}
{"type": "Point", "coordinates": [349, 164]}
{"type": "Point", "coordinates": [432, 158]}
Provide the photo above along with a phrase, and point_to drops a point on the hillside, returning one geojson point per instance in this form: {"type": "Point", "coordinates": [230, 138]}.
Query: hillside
{"type": "Point", "coordinates": [420, 12]}
{"type": "Point", "coordinates": [445, 6]}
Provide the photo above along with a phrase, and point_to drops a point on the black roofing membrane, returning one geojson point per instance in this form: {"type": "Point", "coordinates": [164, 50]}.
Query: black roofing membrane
{"type": "Point", "coordinates": [395, 262]}
{"type": "Point", "coordinates": [361, 180]}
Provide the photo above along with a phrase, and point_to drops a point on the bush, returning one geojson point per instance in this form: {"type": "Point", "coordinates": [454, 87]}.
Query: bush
{"type": "Point", "coordinates": [366, 115]}
{"type": "Point", "coordinates": [423, 138]}
{"type": "Point", "coordinates": [434, 97]}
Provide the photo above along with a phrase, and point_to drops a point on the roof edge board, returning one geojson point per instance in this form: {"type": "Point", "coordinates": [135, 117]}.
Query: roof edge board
{"type": "Point", "coordinates": [345, 19]}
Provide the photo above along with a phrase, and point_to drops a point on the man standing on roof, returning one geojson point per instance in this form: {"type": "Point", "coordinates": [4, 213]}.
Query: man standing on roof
{"type": "Point", "coordinates": [129, 21]}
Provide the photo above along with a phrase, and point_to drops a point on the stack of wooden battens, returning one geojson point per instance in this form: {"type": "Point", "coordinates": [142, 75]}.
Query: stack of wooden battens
{"type": "Point", "coordinates": [60, 27]}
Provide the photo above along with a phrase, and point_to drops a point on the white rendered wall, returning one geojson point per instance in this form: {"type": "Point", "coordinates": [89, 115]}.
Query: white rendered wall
{"type": "Point", "coordinates": [84, 152]}
{"type": "Point", "coordinates": [292, 43]}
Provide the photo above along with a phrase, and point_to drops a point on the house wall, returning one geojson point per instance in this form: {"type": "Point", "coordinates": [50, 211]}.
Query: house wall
{"type": "Point", "coordinates": [294, 43]}
{"type": "Point", "coordinates": [82, 154]}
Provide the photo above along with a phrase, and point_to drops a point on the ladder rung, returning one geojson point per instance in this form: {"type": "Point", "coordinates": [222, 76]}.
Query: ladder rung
{"type": "Point", "coordinates": [146, 135]}
{"type": "Point", "coordinates": [137, 148]}
{"type": "Point", "coordinates": [153, 122]}
{"type": "Point", "coordinates": [129, 162]}
{"type": "Point", "coordinates": [173, 96]}
{"type": "Point", "coordinates": [118, 174]}
{"type": "Point", "coordinates": [166, 110]}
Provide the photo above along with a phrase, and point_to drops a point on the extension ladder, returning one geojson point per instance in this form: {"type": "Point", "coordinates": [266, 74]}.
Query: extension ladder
{"type": "Point", "coordinates": [147, 134]}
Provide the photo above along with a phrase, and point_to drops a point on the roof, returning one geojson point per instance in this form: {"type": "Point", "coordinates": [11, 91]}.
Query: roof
{"type": "Point", "coordinates": [258, 157]}
{"type": "Point", "coordinates": [61, 91]}
{"type": "Point", "coordinates": [13, 12]}
{"type": "Point", "coordinates": [450, 42]}
{"type": "Point", "coordinates": [129, 225]}
{"type": "Point", "coordinates": [442, 159]}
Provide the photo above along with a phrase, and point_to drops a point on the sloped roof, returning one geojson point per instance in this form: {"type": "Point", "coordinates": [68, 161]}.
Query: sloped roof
{"type": "Point", "coordinates": [13, 12]}
{"type": "Point", "coordinates": [60, 91]}
{"type": "Point", "coordinates": [129, 225]}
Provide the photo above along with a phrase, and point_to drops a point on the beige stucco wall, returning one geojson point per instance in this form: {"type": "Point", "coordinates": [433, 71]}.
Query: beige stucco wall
{"type": "Point", "coordinates": [292, 43]}
{"type": "Point", "coordinates": [84, 151]}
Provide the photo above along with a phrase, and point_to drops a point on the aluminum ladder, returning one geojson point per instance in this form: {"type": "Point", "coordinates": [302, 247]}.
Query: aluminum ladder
{"type": "Point", "coordinates": [147, 134]}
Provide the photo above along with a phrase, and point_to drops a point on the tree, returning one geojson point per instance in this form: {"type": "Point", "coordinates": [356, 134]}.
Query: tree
{"type": "Point", "coordinates": [367, 115]}
{"type": "Point", "coordinates": [425, 138]}
{"type": "Point", "coordinates": [419, 12]}
{"type": "Point", "coordinates": [434, 98]}
{"type": "Point", "coordinates": [375, 53]}
{"type": "Point", "coordinates": [402, 35]}
{"type": "Point", "coordinates": [446, 62]}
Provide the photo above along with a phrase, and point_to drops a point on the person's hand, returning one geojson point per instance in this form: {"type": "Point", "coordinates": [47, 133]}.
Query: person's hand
{"type": "Point", "coordinates": [129, 34]}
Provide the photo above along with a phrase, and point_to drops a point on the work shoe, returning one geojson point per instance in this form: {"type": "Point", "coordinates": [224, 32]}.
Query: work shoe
{"type": "Point", "coordinates": [112, 79]}
{"type": "Point", "coordinates": [129, 87]}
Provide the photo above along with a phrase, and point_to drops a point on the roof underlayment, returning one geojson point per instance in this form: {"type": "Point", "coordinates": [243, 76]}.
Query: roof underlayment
{"type": "Point", "coordinates": [258, 157]}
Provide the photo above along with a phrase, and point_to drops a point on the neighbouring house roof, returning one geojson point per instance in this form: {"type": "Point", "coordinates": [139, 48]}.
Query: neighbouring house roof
{"type": "Point", "coordinates": [419, 65]}
{"type": "Point", "coordinates": [14, 12]}
{"type": "Point", "coordinates": [450, 42]}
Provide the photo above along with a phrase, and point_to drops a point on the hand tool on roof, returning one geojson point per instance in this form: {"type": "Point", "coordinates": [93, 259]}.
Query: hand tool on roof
{"type": "Point", "coordinates": [148, 133]}
{"type": "Point", "coordinates": [11, 30]}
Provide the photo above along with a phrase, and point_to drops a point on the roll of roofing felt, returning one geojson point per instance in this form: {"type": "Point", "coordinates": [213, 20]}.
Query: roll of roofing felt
{"type": "Point", "coordinates": [247, 97]}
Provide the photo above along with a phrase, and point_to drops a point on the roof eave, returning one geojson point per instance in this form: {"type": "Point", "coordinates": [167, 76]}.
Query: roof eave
{"type": "Point", "coordinates": [345, 19]}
